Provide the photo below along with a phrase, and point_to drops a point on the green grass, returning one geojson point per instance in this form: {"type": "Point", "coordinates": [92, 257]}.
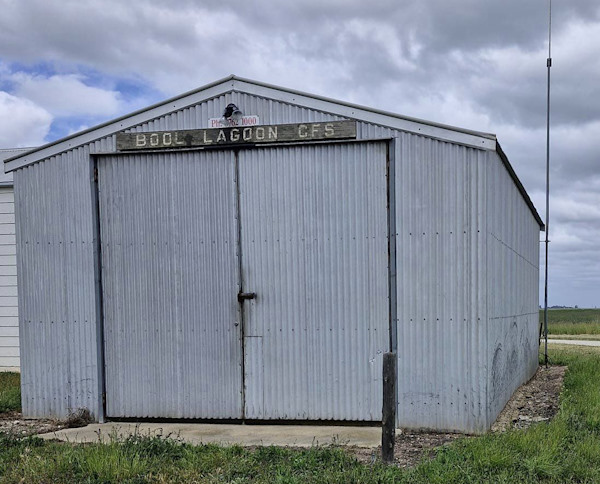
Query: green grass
{"type": "Point", "coordinates": [567, 449]}
{"type": "Point", "coordinates": [10, 392]}
{"type": "Point", "coordinates": [572, 321]}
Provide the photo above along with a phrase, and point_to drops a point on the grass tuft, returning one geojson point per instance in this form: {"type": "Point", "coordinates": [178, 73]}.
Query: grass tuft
{"type": "Point", "coordinates": [541, 466]}
{"type": "Point", "coordinates": [10, 392]}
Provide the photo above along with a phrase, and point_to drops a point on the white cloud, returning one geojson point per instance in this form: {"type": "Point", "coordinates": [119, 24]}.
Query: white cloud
{"type": "Point", "coordinates": [22, 122]}
{"type": "Point", "coordinates": [67, 95]}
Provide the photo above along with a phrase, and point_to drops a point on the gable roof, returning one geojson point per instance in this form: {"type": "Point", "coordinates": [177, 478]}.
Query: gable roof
{"type": "Point", "coordinates": [238, 84]}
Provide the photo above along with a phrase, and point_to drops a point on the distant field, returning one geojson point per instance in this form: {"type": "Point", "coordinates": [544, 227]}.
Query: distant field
{"type": "Point", "coordinates": [572, 321]}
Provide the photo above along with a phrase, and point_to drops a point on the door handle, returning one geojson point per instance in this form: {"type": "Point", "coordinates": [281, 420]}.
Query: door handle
{"type": "Point", "coordinates": [246, 295]}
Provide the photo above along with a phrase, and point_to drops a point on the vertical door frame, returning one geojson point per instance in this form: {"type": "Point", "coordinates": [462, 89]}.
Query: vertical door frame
{"type": "Point", "coordinates": [98, 286]}
{"type": "Point", "coordinates": [238, 219]}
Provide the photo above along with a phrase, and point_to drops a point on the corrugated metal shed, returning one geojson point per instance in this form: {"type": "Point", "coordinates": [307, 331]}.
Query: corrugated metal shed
{"type": "Point", "coordinates": [318, 231]}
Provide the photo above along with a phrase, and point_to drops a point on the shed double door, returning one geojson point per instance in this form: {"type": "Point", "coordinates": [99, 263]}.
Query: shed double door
{"type": "Point", "coordinates": [304, 228]}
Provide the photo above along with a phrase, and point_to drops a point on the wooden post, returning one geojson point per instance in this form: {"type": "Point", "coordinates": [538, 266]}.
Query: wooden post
{"type": "Point", "coordinates": [388, 427]}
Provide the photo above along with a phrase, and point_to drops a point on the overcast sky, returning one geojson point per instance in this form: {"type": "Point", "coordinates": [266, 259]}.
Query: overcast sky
{"type": "Point", "coordinates": [481, 64]}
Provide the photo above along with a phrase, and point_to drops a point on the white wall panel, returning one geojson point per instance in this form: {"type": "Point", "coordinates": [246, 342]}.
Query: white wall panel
{"type": "Point", "coordinates": [9, 325]}
{"type": "Point", "coordinates": [9, 331]}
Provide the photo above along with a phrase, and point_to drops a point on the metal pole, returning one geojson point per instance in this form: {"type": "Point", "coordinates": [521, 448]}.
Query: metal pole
{"type": "Point", "coordinates": [548, 65]}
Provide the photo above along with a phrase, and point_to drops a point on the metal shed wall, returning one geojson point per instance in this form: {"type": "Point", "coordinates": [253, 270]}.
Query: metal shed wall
{"type": "Point", "coordinates": [442, 215]}
{"type": "Point", "coordinates": [512, 288]}
{"type": "Point", "coordinates": [441, 237]}
{"type": "Point", "coordinates": [57, 287]}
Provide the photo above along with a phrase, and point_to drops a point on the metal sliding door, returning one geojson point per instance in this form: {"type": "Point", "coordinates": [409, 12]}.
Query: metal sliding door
{"type": "Point", "coordinates": [170, 278]}
{"type": "Point", "coordinates": [314, 244]}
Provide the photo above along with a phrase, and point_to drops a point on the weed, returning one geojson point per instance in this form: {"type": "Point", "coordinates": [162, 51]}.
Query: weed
{"type": "Point", "coordinates": [79, 417]}
{"type": "Point", "coordinates": [156, 445]}
{"type": "Point", "coordinates": [10, 392]}
{"type": "Point", "coordinates": [9, 441]}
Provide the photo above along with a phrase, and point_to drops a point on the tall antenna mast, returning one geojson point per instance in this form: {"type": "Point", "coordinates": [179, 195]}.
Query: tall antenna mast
{"type": "Point", "coordinates": [548, 65]}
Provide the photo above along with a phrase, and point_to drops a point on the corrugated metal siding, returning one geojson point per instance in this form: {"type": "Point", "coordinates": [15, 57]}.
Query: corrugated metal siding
{"type": "Point", "coordinates": [57, 305]}
{"type": "Point", "coordinates": [441, 237]}
{"type": "Point", "coordinates": [9, 320]}
{"type": "Point", "coordinates": [315, 250]}
{"type": "Point", "coordinates": [170, 277]}
{"type": "Point", "coordinates": [269, 112]}
{"type": "Point", "coordinates": [512, 288]}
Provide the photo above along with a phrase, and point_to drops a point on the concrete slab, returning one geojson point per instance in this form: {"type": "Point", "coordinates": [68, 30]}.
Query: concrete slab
{"type": "Point", "coordinates": [228, 434]}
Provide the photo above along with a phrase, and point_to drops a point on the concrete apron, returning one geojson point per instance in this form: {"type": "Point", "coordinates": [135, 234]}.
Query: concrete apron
{"type": "Point", "coordinates": [226, 434]}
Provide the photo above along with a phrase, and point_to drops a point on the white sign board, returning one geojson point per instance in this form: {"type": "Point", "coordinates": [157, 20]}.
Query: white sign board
{"type": "Point", "coordinates": [231, 122]}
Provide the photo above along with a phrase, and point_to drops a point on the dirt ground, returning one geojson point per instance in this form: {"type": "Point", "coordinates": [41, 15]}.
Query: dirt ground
{"type": "Point", "coordinates": [14, 423]}
{"type": "Point", "coordinates": [536, 401]}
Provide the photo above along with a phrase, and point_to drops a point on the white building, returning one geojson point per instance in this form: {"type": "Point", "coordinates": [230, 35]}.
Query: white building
{"type": "Point", "coordinates": [9, 322]}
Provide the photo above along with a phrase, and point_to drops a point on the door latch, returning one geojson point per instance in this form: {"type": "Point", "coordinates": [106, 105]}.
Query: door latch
{"type": "Point", "coordinates": [246, 295]}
